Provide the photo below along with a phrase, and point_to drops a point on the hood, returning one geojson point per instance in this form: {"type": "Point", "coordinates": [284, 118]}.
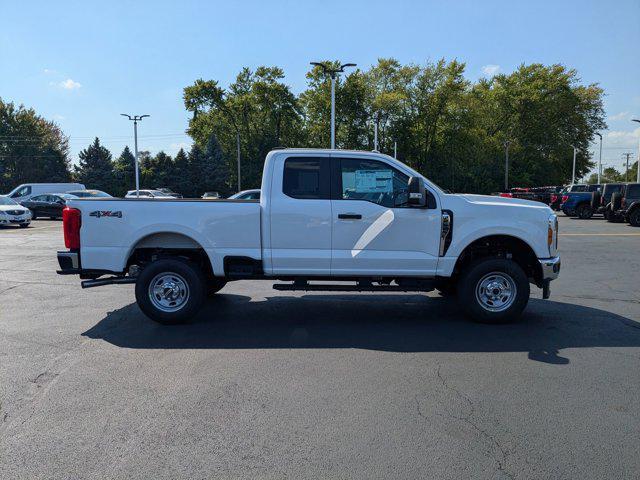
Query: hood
{"type": "Point", "coordinates": [4, 208]}
{"type": "Point", "coordinates": [501, 201]}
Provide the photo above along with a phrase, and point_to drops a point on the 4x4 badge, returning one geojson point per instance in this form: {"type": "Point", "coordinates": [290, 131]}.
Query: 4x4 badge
{"type": "Point", "coordinates": [106, 213]}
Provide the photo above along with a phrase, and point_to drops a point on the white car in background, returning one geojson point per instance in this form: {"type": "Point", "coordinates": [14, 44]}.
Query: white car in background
{"type": "Point", "coordinates": [149, 194]}
{"type": "Point", "coordinates": [246, 195]}
{"type": "Point", "coordinates": [27, 190]}
{"type": "Point", "coordinates": [12, 213]}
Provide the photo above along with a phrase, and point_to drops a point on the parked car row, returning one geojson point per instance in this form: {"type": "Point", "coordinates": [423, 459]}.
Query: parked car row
{"type": "Point", "coordinates": [616, 202]}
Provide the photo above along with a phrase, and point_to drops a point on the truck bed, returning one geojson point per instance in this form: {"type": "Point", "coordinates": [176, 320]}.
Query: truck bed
{"type": "Point", "coordinates": [113, 227]}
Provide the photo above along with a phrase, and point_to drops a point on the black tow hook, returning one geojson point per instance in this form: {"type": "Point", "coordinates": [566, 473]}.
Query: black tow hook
{"type": "Point", "coordinates": [99, 282]}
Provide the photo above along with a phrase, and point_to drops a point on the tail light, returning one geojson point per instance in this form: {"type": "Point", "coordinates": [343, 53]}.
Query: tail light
{"type": "Point", "coordinates": [507, 195]}
{"type": "Point", "coordinates": [71, 223]}
{"type": "Point", "coordinates": [554, 198]}
{"type": "Point", "coordinates": [601, 200]}
{"type": "Point", "coordinates": [565, 198]}
{"type": "Point", "coordinates": [623, 203]}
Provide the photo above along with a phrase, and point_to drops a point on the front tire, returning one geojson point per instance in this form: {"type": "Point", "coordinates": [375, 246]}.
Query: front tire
{"type": "Point", "coordinates": [634, 218]}
{"type": "Point", "coordinates": [24, 225]}
{"type": "Point", "coordinates": [170, 291]}
{"type": "Point", "coordinates": [493, 290]}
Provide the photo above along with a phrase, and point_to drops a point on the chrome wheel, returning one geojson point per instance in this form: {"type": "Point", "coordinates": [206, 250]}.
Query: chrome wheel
{"type": "Point", "coordinates": [168, 292]}
{"type": "Point", "coordinates": [496, 291]}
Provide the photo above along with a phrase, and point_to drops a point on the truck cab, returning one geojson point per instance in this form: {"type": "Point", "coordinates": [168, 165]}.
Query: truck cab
{"type": "Point", "coordinates": [361, 220]}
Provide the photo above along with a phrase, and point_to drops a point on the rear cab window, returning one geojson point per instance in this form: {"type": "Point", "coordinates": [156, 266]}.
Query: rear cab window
{"type": "Point", "coordinates": [306, 178]}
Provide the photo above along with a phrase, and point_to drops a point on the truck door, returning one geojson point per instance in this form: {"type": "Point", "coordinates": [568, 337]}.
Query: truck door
{"type": "Point", "coordinates": [300, 207]}
{"type": "Point", "coordinates": [375, 232]}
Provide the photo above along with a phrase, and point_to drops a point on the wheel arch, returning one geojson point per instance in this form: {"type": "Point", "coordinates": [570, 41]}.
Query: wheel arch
{"type": "Point", "coordinates": [166, 244]}
{"type": "Point", "coordinates": [501, 246]}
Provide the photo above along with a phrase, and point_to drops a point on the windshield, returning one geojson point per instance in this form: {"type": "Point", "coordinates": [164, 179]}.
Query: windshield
{"type": "Point", "coordinates": [7, 201]}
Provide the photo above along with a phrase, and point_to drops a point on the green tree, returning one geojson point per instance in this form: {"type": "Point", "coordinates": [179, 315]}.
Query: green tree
{"type": "Point", "coordinates": [181, 181]}
{"type": "Point", "coordinates": [124, 172]}
{"type": "Point", "coordinates": [95, 168]}
{"type": "Point", "coordinates": [32, 149]}
{"type": "Point", "coordinates": [215, 171]}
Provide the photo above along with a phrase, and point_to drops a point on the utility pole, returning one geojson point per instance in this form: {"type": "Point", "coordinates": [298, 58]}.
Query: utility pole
{"type": "Point", "coordinates": [626, 172]}
{"type": "Point", "coordinates": [573, 175]}
{"type": "Point", "coordinates": [506, 164]}
{"type": "Point", "coordinates": [638, 157]}
{"type": "Point", "coordinates": [395, 150]}
{"type": "Point", "coordinates": [333, 72]}
{"type": "Point", "coordinates": [600, 159]}
{"type": "Point", "coordinates": [238, 151]}
{"type": "Point", "coordinates": [135, 119]}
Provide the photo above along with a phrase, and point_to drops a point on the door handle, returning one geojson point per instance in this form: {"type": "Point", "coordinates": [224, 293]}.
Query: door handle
{"type": "Point", "coordinates": [349, 216]}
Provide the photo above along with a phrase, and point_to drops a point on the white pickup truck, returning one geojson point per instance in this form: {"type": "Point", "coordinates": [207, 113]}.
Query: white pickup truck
{"type": "Point", "coordinates": [356, 221]}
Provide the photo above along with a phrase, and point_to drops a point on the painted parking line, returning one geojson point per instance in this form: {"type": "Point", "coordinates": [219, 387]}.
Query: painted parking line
{"type": "Point", "coordinates": [600, 234]}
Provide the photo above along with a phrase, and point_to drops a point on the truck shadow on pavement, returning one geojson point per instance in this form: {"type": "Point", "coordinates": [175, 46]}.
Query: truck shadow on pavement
{"type": "Point", "coordinates": [398, 323]}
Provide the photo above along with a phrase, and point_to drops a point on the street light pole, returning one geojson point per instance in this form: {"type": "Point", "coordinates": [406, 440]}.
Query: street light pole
{"type": "Point", "coordinates": [600, 159]}
{"type": "Point", "coordinates": [375, 134]}
{"type": "Point", "coordinates": [238, 151]}
{"type": "Point", "coordinates": [638, 157]}
{"type": "Point", "coordinates": [333, 72]}
{"type": "Point", "coordinates": [506, 164]}
{"type": "Point", "coordinates": [135, 119]}
{"type": "Point", "coordinates": [573, 175]}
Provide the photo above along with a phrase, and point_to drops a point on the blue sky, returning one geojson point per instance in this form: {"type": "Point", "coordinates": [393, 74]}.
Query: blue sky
{"type": "Point", "coordinates": [83, 63]}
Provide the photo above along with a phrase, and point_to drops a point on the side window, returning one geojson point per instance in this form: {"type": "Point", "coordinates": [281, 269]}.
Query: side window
{"type": "Point", "coordinates": [372, 181]}
{"type": "Point", "coordinates": [39, 198]}
{"type": "Point", "coordinates": [633, 191]}
{"type": "Point", "coordinates": [306, 178]}
{"type": "Point", "coordinates": [22, 192]}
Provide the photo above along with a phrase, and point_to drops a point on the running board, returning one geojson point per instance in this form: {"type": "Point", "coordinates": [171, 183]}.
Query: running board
{"type": "Point", "coordinates": [307, 287]}
{"type": "Point", "coordinates": [99, 282]}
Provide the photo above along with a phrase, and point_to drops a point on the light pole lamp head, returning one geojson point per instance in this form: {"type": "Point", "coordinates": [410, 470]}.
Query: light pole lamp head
{"type": "Point", "coordinates": [635, 120]}
{"type": "Point", "coordinates": [600, 135]}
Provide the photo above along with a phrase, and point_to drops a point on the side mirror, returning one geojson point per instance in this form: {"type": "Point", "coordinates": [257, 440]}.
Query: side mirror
{"type": "Point", "coordinates": [417, 193]}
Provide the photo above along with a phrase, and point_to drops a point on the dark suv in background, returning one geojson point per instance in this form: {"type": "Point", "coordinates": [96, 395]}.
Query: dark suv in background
{"type": "Point", "coordinates": [626, 204]}
{"type": "Point", "coordinates": [601, 200]}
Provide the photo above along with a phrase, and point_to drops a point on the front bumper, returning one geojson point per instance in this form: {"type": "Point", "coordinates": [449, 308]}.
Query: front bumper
{"type": "Point", "coordinates": [15, 219]}
{"type": "Point", "coordinates": [550, 268]}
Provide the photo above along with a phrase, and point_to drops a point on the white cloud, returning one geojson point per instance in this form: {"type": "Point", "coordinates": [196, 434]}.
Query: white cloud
{"type": "Point", "coordinates": [69, 84]}
{"type": "Point", "coordinates": [58, 117]}
{"type": "Point", "coordinates": [48, 71]}
{"type": "Point", "coordinates": [619, 116]}
{"type": "Point", "coordinates": [491, 70]}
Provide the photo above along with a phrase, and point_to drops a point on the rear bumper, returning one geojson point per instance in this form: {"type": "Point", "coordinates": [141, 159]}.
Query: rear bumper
{"type": "Point", "coordinates": [550, 268]}
{"type": "Point", "coordinates": [69, 263]}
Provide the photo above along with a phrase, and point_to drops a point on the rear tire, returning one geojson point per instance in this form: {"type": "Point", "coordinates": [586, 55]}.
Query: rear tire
{"type": "Point", "coordinates": [493, 290]}
{"type": "Point", "coordinates": [170, 291]}
{"type": "Point", "coordinates": [584, 212]}
{"type": "Point", "coordinates": [33, 215]}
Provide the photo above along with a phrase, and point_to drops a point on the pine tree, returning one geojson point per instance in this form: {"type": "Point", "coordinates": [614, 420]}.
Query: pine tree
{"type": "Point", "coordinates": [215, 171]}
{"type": "Point", "coordinates": [181, 181]}
{"type": "Point", "coordinates": [196, 160]}
{"type": "Point", "coordinates": [125, 172]}
{"type": "Point", "coordinates": [95, 168]}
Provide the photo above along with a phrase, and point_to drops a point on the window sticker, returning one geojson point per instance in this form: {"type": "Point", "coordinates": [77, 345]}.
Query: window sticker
{"type": "Point", "coordinates": [374, 181]}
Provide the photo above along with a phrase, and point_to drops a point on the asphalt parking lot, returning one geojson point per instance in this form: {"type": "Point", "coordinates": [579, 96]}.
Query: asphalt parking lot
{"type": "Point", "coordinates": [267, 384]}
